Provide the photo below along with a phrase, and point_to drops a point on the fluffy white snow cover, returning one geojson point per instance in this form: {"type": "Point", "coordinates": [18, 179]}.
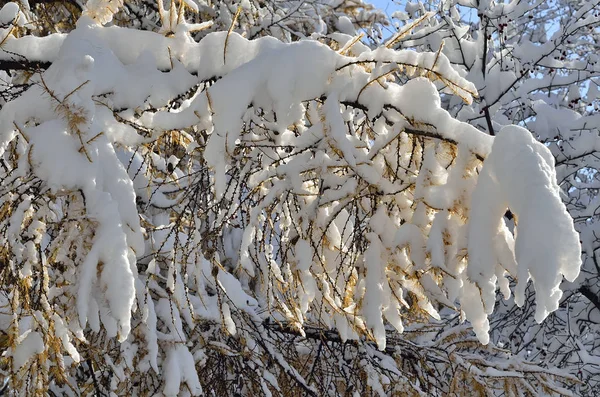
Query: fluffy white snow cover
{"type": "Point", "coordinates": [8, 13]}
{"type": "Point", "coordinates": [62, 332]}
{"type": "Point", "coordinates": [411, 224]}
{"type": "Point", "coordinates": [30, 345]}
{"type": "Point", "coordinates": [373, 300]}
{"type": "Point", "coordinates": [73, 152]}
{"type": "Point", "coordinates": [179, 368]}
{"type": "Point", "coordinates": [519, 174]}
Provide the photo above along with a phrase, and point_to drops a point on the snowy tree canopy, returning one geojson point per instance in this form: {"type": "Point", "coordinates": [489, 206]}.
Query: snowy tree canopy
{"type": "Point", "coordinates": [274, 198]}
{"type": "Point", "coordinates": [535, 64]}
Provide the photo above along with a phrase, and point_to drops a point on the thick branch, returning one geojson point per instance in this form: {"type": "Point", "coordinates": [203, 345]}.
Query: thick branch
{"type": "Point", "coordinates": [588, 293]}
{"type": "Point", "coordinates": [316, 334]}
{"type": "Point", "coordinates": [72, 2]}
{"type": "Point", "coordinates": [7, 65]}
{"type": "Point", "coordinates": [412, 130]}
{"type": "Point", "coordinates": [488, 119]}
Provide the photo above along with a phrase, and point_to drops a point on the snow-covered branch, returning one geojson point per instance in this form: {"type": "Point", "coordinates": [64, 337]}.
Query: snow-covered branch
{"type": "Point", "coordinates": [180, 204]}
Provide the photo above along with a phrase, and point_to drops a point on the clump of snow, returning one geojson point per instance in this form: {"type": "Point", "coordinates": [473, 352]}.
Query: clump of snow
{"type": "Point", "coordinates": [519, 174]}
{"type": "Point", "coordinates": [8, 13]}
{"type": "Point", "coordinates": [179, 368]}
{"type": "Point", "coordinates": [31, 344]}
{"type": "Point", "coordinates": [344, 25]}
{"type": "Point", "coordinates": [102, 10]}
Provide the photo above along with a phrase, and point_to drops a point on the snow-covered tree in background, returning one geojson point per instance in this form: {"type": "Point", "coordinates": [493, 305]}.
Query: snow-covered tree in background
{"type": "Point", "coordinates": [255, 198]}
{"type": "Point", "coordinates": [535, 64]}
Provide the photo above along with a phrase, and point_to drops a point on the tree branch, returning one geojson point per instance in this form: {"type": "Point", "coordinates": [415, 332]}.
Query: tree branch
{"type": "Point", "coordinates": [588, 293]}
{"type": "Point", "coordinates": [7, 65]}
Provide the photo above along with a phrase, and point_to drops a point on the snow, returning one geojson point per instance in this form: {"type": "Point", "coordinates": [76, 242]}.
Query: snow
{"type": "Point", "coordinates": [56, 158]}
{"type": "Point", "coordinates": [344, 25]}
{"type": "Point", "coordinates": [374, 299]}
{"type": "Point", "coordinates": [258, 180]}
{"type": "Point", "coordinates": [102, 10]}
{"type": "Point", "coordinates": [30, 345]}
{"type": "Point", "coordinates": [232, 287]}
{"type": "Point", "coordinates": [308, 287]}
{"type": "Point", "coordinates": [179, 367]}
{"type": "Point", "coordinates": [8, 13]}
{"type": "Point", "coordinates": [62, 332]}
{"type": "Point", "coordinates": [519, 174]}
{"type": "Point", "coordinates": [43, 49]}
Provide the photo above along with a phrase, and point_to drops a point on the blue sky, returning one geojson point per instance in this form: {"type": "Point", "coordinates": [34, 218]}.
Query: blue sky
{"type": "Point", "coordinates": [386, 5]}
